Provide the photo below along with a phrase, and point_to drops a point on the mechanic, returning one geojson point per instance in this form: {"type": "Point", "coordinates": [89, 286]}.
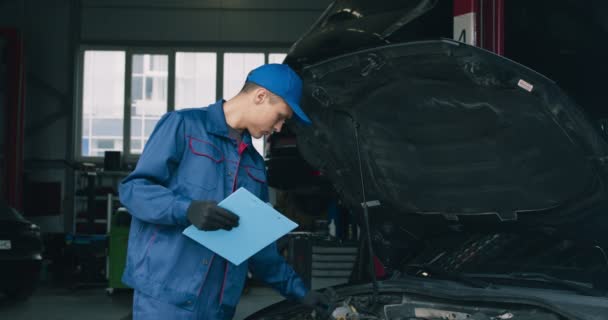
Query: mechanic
{"type": "Point", "coordinates": [194, 159]}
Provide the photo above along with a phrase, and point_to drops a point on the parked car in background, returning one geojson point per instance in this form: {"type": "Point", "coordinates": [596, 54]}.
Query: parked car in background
{"type": "Point", "coordinates": [20, 254]}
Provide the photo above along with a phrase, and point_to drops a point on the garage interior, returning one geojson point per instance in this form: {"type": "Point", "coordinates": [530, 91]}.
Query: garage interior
{"type": "Point", "coordinates": [84, 82]}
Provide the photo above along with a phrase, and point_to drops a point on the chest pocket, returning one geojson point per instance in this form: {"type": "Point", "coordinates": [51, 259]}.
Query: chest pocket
{"type": "Point", "coordinates": [256, 180]}
{"type": "Point", "coordinates": [205, 164]}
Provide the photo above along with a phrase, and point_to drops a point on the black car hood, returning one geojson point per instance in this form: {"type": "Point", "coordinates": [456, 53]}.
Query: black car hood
{"type": "Point", "coordinates": [350, 25]}
{"type": "Point", "coordinates": [11, 221]}
{"type": "Point", "coordinates": [452, 133]}
{"type": "Point", "coordinates": [8, 213]}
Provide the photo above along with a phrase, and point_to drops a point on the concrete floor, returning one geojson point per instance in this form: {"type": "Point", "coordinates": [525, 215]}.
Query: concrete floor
{"type": "Point", "coordinates": [93, 304]}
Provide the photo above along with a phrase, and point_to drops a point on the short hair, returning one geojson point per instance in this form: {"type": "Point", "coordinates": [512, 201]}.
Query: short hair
{"type": "Point", "coordinates": [248, 86]}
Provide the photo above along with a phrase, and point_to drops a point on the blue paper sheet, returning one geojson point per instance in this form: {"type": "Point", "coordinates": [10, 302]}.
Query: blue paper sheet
{"type": "Point", "coordinates": [259, 225]}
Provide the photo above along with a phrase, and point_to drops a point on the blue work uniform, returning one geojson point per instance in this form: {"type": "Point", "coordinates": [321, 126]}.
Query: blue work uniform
{"type": "Point", "coordinates": [190, 156]}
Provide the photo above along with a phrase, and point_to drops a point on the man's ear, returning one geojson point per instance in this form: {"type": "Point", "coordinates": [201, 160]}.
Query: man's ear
{"type": "Point", "coordinates": [260, 95]}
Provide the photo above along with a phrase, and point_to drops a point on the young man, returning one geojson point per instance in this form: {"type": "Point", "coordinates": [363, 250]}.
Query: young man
{"type": "Point", "coordinates": [194, 159]}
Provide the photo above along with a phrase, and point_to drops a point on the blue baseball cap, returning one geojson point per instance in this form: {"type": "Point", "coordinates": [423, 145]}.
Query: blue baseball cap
{"type": "Point", "coordinates": [281, 80]}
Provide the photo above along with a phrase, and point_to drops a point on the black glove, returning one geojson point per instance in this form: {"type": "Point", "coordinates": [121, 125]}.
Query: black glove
{"type": "Point", "coordinates": [206, 215]}
{"type": "Point", "coordinates": [320, 302]}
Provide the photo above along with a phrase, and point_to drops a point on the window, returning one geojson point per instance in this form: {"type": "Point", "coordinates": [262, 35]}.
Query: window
{"type": "Point", "coordinates": [157, 83]}
{"type": "Point", "coordinates": [276, 57]}
{"type": "Point", "coordinates": [105, 144]}
{"type": "Point", "coordinates": [195, 77]}
{"type": "Point", "coordinates": [102, 102]}
{"type": "Point", "coordinates": [149, 96]}
{"type": "Point", "coordinates": [236, 68]}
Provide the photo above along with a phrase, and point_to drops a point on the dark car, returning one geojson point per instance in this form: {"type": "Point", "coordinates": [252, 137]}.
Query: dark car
{"type": "Point", "coordinates": [20, 254]}
{"type": "Point", "coordinates": [482, 184]}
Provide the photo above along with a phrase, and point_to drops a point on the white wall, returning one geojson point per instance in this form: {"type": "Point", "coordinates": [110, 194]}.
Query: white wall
{"type": "Point", "coordinates": [49, 78]}
{"type": "Point", "coordinates": [199, 21]}
{"type": "Point", "coordinates": [11, 13]}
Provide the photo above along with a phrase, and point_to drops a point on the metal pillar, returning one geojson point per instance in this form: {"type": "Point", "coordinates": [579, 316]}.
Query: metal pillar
{"type": "Point", "coordinates": [15, 111]}
{"type": "Point", "coordinates": [480, 23]}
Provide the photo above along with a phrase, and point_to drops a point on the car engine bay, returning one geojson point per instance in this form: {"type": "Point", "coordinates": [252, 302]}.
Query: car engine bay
{"type": "Point", "coordinates": [406, 307]}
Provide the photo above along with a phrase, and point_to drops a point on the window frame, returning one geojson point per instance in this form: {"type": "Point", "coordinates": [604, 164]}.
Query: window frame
{"type": "Point", "coordinates": [128, 157]}
{"type": "Point", "coordinates": [126, 137]}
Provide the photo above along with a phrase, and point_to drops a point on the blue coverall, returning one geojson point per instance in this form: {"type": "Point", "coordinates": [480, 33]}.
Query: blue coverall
{"type": "Point", "coordinates": [190, 156]}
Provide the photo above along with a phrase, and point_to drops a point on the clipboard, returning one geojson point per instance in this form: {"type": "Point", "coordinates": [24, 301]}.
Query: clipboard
{"type": "Point", "coordinates": [259, 226]}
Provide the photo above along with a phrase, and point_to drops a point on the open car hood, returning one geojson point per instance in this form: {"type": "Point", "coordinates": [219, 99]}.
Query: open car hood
{"type": "Point", "coordinates": [453, 134]}
{"type": "Point", "coordinates": [351, 25]}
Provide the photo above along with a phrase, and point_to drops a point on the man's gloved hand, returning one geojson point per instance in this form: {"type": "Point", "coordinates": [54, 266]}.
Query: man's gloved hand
{"type": "Point", "coordinates": [320, 302]}
{"type": "Point", "coordinates": [206, 215]}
